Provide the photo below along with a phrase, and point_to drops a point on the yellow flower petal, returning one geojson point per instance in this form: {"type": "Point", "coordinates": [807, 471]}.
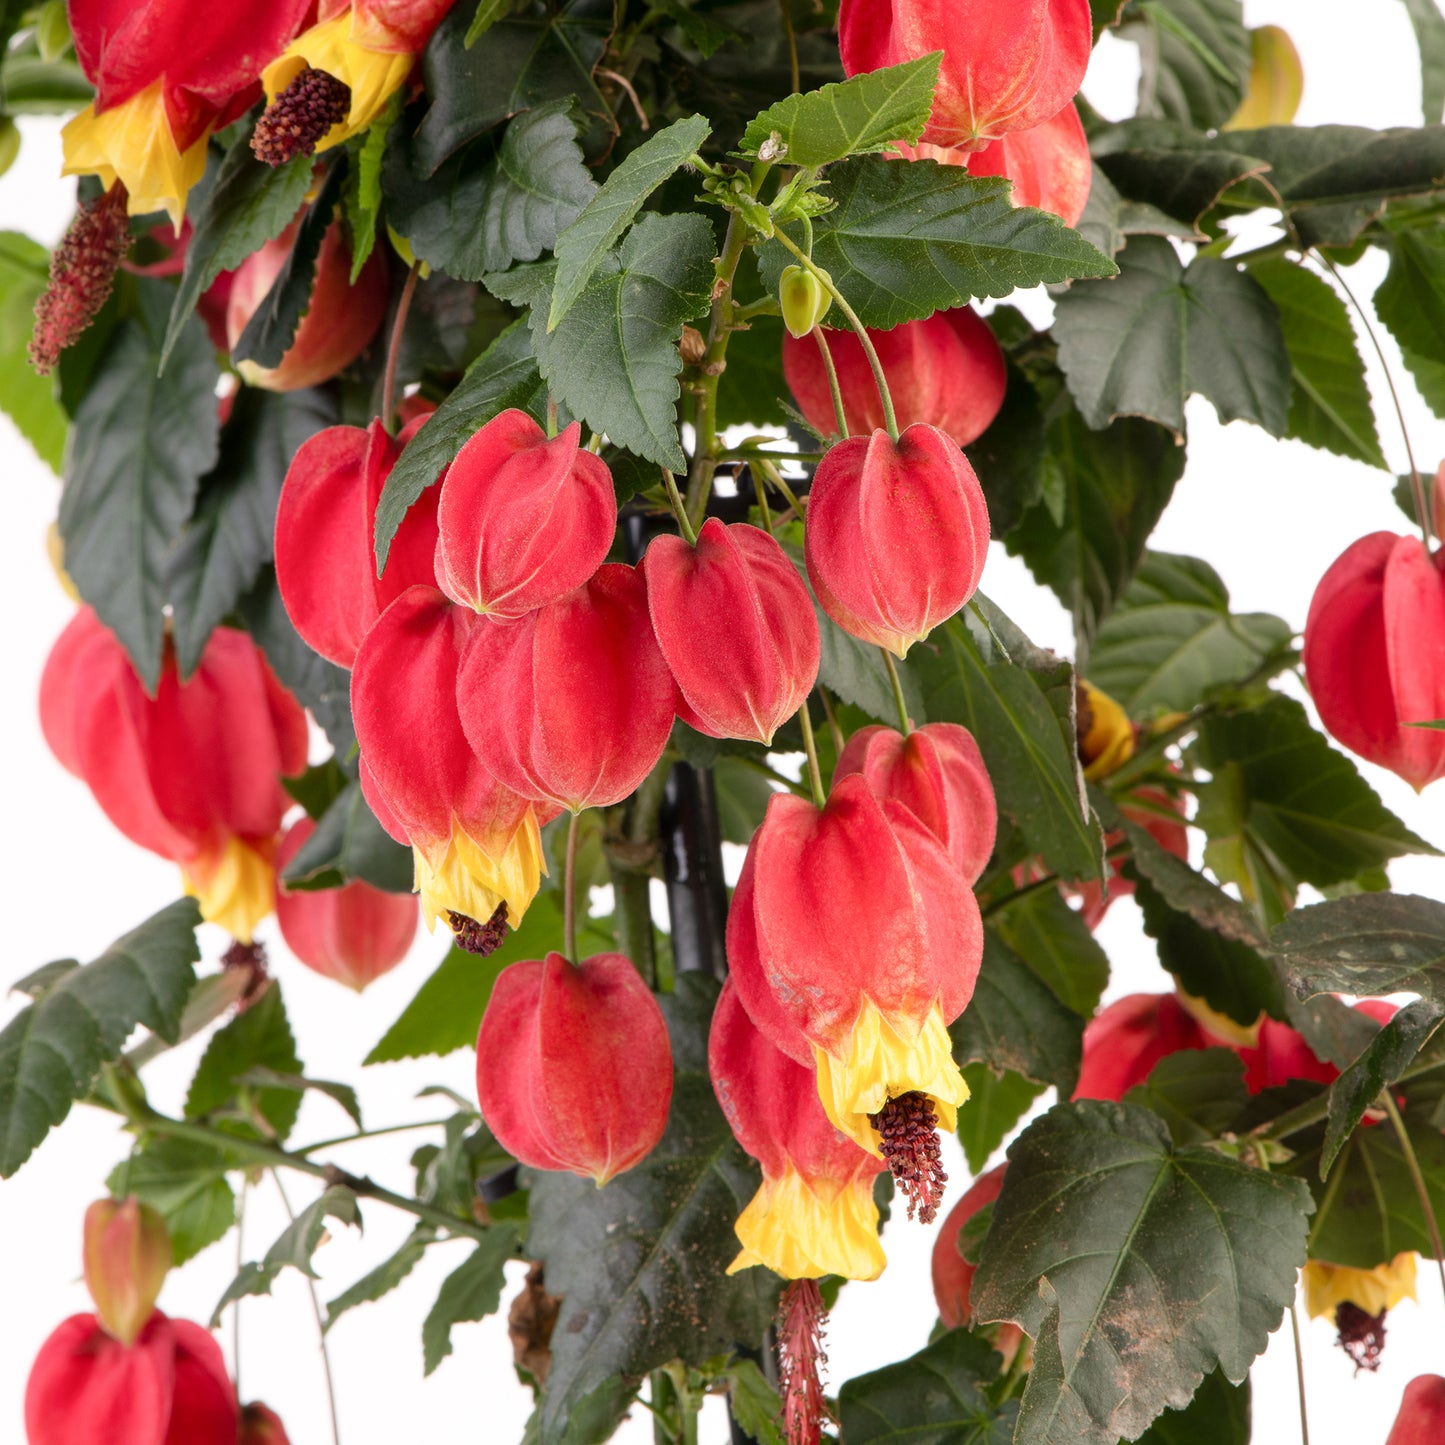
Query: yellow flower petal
{"type": "Point", "coordinates": [235, 890]}
{"type": "Point", "coordinates": [469, 880]}
{"type": "Point", "coordinates": [1328, 1286]}
{"type": "Point", "coordinates": [806, 1228]}
{"type": "Point", "coordinates": [1109, 742]}
{"type": "Point", "coordinates": [883, 1062]}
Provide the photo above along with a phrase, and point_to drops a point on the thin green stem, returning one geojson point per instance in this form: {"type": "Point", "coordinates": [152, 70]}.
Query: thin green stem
{"type": "Point", "coordinates": [839, 742]}
{"type": "Point", "coordinates": [320, 1324]}
{"type": "Point", "coordinates": [1316, 1111]}
{"type": "Point", "coordinates": [551, 415]}
{"type": "Point", "coordinates": [776, 478]}
{"type": "Point", "coordinates": [1299, 1371]}
{"type": "Point", "coordinates": [761, 492]}
{"type": "Point", "coordinates": [236, 1303]}
{"type": "Point", "coordinates": [361, 1134]}
{"type": "Point", "coordinates": [679, 508]}
{"type": "Point", "coordinates": [752, 453]}
{"type": "Point", "coordinates": [810, 746]}
{"type": "Point", "coordinates": [569, 899]}
{"type": "Point", "coordinates": [896, 683]}
{"type": "Point", "coordinates": [866, 341]}
{"type": "Point", "coordinates": [840, 416]}
{"type": "Point", "coordinates": [1417, 1177]}
{"type": "Point", "coordinates": [792, 46]}
{"type": "Point", "coordinates": [393, 350]}
{"type": "Point", "coordinates": [763, 306]}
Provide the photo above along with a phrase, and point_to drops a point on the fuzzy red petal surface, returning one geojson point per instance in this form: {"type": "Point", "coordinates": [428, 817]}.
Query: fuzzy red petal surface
{"type": "Point", "coordinates": [952, 1273]}
{"type": "Point", "coordinates": [1421, 1420]}
{"type": "Point", "coordinates": [1124, 1041]}
{"type": "Point", "coordinates": [203, 1409]}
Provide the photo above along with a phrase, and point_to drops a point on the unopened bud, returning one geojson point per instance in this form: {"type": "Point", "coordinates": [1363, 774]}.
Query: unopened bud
{"type": "Point", "coordinates": [804, 299]}
{"type": "Point", "coordinates": [692, 347]}
{"type": "Point", "coordinates": [9, 143]}
{"type": "Point", "coordinates": [772, 149]}
{"type": "Point", "coordinates": [127, 1255]}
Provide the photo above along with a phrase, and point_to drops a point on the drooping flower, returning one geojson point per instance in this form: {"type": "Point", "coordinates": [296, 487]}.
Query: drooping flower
{"type": "Point", "coordinates": [1281, 1054]}
{"type": "Point", "coordinates": [574, 1066]}
{"type": "Point", "coordinates": [261, 1425]}
{"type": "Point", "coordinates": [524, 518]}
{"type": "Point", "coordinates": [1106, 736]}
{"type": "Point", "coordinates": [1374, 654]}
{"type": "Point", "coordinates": [853, 942]}
{"type": "Point", "coordinates": [325, 565]}
{"type": "Point", "coordinates": [353, 934]}
{"type": "Point", "coordinates": [814, 1214]}
{"type": "Point", "coordinates": [1356, 1302]}
{"type": "Point", "coordinates": [127, 1255]}
{"type": "Point", "coordinates": [1276, 81]}
{"type": "Point", "coordinates": [896, 536]}
{"type": "Point", "coordinates": [193, 773]}
{"type": "Point", "coordinates": [1124, 1041]}
{"type": "Point", "coordinates": [573, 704]}
{"type": "Point", "coordinates": [938, 774]}
{"type": "Point", "coordinates": [946, 370]}
{"type": "Point", "coordinates": [1421, 1420]}
{"type": "Point", "coordinates": [477, 844]}
{"type": "Point", "coordinates": [737, 627]}
{"type": "Point", "coordinates": [1008, 65]}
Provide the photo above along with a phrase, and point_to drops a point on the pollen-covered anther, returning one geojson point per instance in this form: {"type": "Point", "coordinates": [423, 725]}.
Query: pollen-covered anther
{"type": "Point", "coordinates": [802, 1316]}
{"type": "Point", "coordinates": [300, 116]}
{"type": "Point", "coordinates": [480, 938]}
{"type": "Point", "coordinates": [82, 273]}
{"type": "Point", "coordinates": [249, 958]}
{"type": "Point", "coordinates": [1362, 1336]}
{"type": "Point", "coordinates": [908, 1130]}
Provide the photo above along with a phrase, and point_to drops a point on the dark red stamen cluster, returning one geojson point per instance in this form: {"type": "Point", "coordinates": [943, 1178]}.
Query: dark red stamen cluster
{"type": "Point", "coordinates": [250, 958]}
{"type": "Point", "coordinates": [909, 1142]}
{"type": "Point", "coordinates": [295, 122]}
{"type": "Point", "coordinates": [480, 938]}
{"type": "Point", "coordinates": [82, 272]}
{"type": "Point", "coordinates": [1362, 1336]}
{"type": "Point", "coordinates": [800, 1323]}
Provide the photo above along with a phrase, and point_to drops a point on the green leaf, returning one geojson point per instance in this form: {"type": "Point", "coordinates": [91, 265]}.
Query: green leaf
{"type": "Point", "coordinates": [1111, 217]}
{"type": "Point", "coordinates": [705, 33]}
{"type": "Point", "coordinates": [641, 1265]}
{"type": "Point", "coordinates": [1087, 1229]}
{"type": "Point", "coordinates": [996, 1102]}
{"type": "Point", "coordinates": [380, 1281]}
{"type": "Point", "coordinates": [1374, 943]}
{"type": "Point", "coordinates": [1172, 641]}
{"type": "Point", "coordinates": [1196, 58]}
{"type": "Point", "coordinates": [1187, 891]}
{"type": "Point", "coordinates": [27, 399]}
{"type": "Point", "coordinates": [853, 117]}
{"type": "Point", "coordinates": [753, 388]}
{"type": "Point", "coordinates": [231, 536]}
{"type": "Point", "coordinates": [51, 1052]}
{"type": "Point", "coordinates": [259, 1037]}
{"type": "Point", "coordinates": [488, 13]}
{"type": "Point", "coordinates": [1114, 487]}
{"type": "Point", "coordinates": [1219, 1414]}
{"type": "Point", "coordinates": [492, 205]}
{"type": "Point", "coordinates": [185, 1182]}
{"type": "Point", "coordinates": [1411, 299]}
{"type": "Point", "coordinates": [939, 1396]}
{"type": "Point", "coordinates": [754, 1404]}
{"type": "Point", "coordinates": [140, 445]}
{"type": "Point", "coordinates": [470, 1292]}
{"type": "Point", "coordinates": [1197, 1093]}
{"type": "Point", "coordinates": [350, 844]}
{"type": "Point", "coordinates": [585, 244]}
{"type": "Point", "coordinates": [1138, 345]}
{"type": "Point", "coordinates": [614, 361]}
{"type": "Point", "coordinates": [503, 376]}
{"type": "Point", "coordinates": [1330, 407]}
{"type": "Point", "coordinates": [361, 195]}
{"type": "Point", "coordinates": [905, 241]}
{"type": "Point", "coordinates": [1430, 37]}
{"type": "Point", "coordinates": [251, 203]}
{"type": "Point", "coordinates": [343, 1095]}
{"type": "Point", "coordinates": [1056, 944]}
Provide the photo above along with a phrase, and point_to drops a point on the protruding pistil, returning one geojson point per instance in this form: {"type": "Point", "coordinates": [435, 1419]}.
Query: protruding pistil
{"type": "Point", "coordinates": [295, 123]}
{"type": "Point", "coordinates": [909, 1142]}
{"type": "Point", "coordinates": [802, 1317]}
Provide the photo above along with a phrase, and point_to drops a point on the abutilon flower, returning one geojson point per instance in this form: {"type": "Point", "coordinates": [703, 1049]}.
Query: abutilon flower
{"type": "Point", "coordinates": [1008, 65]}
{"type": "Point", "coordinates": [1124, 1041]}
{"type": "Point", "coordinates": [574, 1065]}
{"type": "Point", "coordinates": [1356, 1301]}
{"type": "Point", "coordinates": [340, 319]}
{"type": "Point", "coordinates": [166, 74]}
{"type": "Point", "coordinates": [261, 1425]}
{"type": "Point", "coordinates": [854, 942]}
{"type": "Point", "coordinates": [1421, 1420]}
{"type": "Point", "coordinates": [127, 1255]}
{"type": "Point", "coordinates": [737, 627]}
{"type": "Point", "coordinates": [938, 774]}
{"type": "Point", "coordinates": [573, 704]}
{"type": "Point", "coordinates": [336, 77]}
{"type": "Point", "coordinates": [1106, 736]}
{"type": "Point", "coordinates": [325, 565]}
{"type": "Point", "coordinates": [476, 843]}
{"type": "Point", "coordinates": [1281, 1054]}
{"type": "Point", "coordinates": [946, 370]}
{"type": "Point", "coordinates": [814, 1214]}
{"type": "Point", "coordinates": [169, 1387]}
{"type": "Point", "coordinates": [523, 519]}
{"type": "Point", "coordinates": [1374, 654]}
{"type": "Point", "coordinates": [896, 535]}
{"type": "Point", "coordinates": [353, 934]}
{"type": "Point", "coordinates": [1049, 165]}
{"type": "Point", "coordinates": [193, 773]}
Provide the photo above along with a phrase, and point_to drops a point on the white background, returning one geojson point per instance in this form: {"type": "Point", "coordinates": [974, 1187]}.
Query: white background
{"type": "Point", "coordinates": [1270, 516]}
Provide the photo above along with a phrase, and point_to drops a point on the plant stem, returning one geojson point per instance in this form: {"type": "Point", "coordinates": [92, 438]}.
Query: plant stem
{"type": "Point", "coordinates": [679, 509]}
{"type": "Point", "coordinates": [393, 350]}
{"type": "Point", "coordinates": [1316, 1110]}
{"type": "Point", "coordinates": [1417, 1177]}
{"type": "Point", "coordinates": [569, 899]}
{"type": "Point", "coordinates": [792, 45]}
{"type": "Point", "coordinates": [776, 478]}
{"type": "Point", "coordinates": [761, 492]}
{"type": "Point", "coordinates": [361, 1134]}
{"type": "Point", "coordinates": [889, 419]}
{"type": "Point", "coordinates": [810, 746]}
{"type": "Point", "coordinates": [320, 1324]}
{"type": "Point", "coordinates": [896, 683]}
{"type": "Point", "coordinates": [840, 416]}
{"type": "Point", "coordinates": [1299, 1370]}
{"type": "Point", "coordinates": [839, 742]}
{"type": "Point", "coordinates": [236, 1303]}
{"type": "Point", "coordinates": [551, 414]}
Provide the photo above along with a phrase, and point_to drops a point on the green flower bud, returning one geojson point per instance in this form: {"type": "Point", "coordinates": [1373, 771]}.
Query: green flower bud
{"type": "Point", "coordinates": [804, 299]}
{"type": "Point", "coordinates": [9, 143]}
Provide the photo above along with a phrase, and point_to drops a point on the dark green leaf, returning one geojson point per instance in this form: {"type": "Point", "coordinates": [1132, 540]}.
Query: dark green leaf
{"type": "Point", "coordinates": [1195, 56]}
{"type": "Point", "coordinates": [185, 1182]}
{"type": "Point", "coordinates": [488, 13]}
{"type": "Point", "coordinates": [1056, 944]}
{"type": "Point", "coordinates": [350, 844]}
{"type": "Point", "coordinates": [1087, 1228]}
{"type": "Point", "coordinates": [1010, 457]}
{"type": "Point", "coordinates": [472, 1291]}
{"type": "Point", "coordinates": [1190, 892]}
{"type": "Point", "coordinates": [1430, 37]}
{"type": "Point", "coordinates": [51, 1052]}
{"type": "Point", "coordinates": [1219, 1414]}
{"type": "Point", "coordinates": [641, 1265]}
{"type": "Point", "coordinates": [1110, 217]}
{"type": "Point", "coordinates": [1411, 300]}
{"type": "Point", "coordinates": [1139, 344]}
{"type": "Point", "coordinates": [259, 1037]}
{"type": "Point", "coordinates": [141, 444]}
{"type": "Point", "coordinates": [361, 197]}
{"type": "Point", "coordinates": [703, 32]}
{"type": "Point", "coordinates": [318, 787]}
{"type": "Point", "coordinates": [27, 399]}
{"type": "Point", "coordinates": [1198, 1093]}
{"type": "Point", "coordinates": [1375, 943]}
{"type": "Point", "coordinates": [996, 1102]}
{"type": "Point", "coordinates": [754, 1404]}
{"type": "Point", "coordinates": [905, 241]}
{"type": "Point", "coordinates": [936, 1397]}
{"type": "Point", "coordinates": [380, 1281]}
{"type": "Point", "coordinates": [850, 118]}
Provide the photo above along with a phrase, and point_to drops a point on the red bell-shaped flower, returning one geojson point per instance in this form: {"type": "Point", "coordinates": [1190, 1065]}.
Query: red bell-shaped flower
{"type": "Point", "coordinates": [1281, 1054]}
{"type": "Point", "coordinates": [325, 565]}
{"type": "Point", "coordinates": [896, 535]}
{"type": "Point", "coordinates": [1124, 1041]}
{"type": "Point", "coordinates": [938, 774]}
{"type": "Point", "coordinates": [952, 1273]}
{"type": "Point", "coordinates": [1374, 654]}
{"type": "Point", "coordinates": [524, 519]}
{"type": "Point", "coordinates": [1421, 1420]}
{"type": "Point", "coordinates": [814, 1214]}
{"type": "Point", "coordinates": [353, 934]}
{"type": "Point", "coordinates": [574, 1066]}
{"type": "Point", "coordinates": [169, 1388]}
{"type": "Point", "coordinates": [573, 704]}
{"type": "Point", "coordinates": [339, 321]}
{"type": "Point", "coordinates": [261, 1425]}
{"type": "Point", "coordinates": [854, 942]}
{"type": "Point", "coordinates": [127, 1258]}
{"type": "Point", "coordinates": [1008, 65]}
{"type": "Point", "coordinates": [737, 627]}
{"type": "Point", "coordinates": [477, 845]}
{"type": "Point", "coordinates": [946, 370]}
{"type": "Point", "coordinates": [192, 774]}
